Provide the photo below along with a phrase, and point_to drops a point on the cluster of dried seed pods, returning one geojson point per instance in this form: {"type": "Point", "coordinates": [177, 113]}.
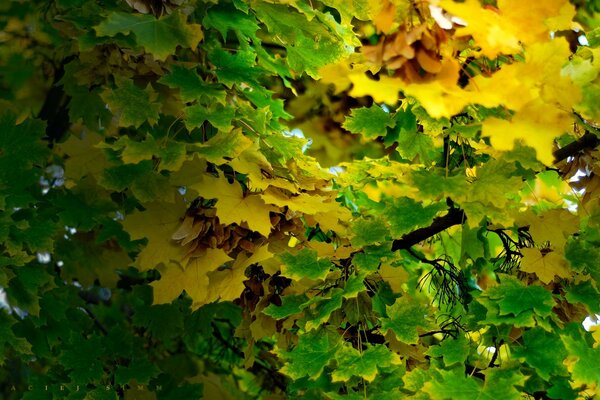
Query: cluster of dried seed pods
{"type": "Point", "coordinates": [412, 53]}
{"type": "Point", "coordinates": [201, 229]}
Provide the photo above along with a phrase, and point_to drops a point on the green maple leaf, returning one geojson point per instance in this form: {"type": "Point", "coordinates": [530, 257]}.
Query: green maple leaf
{"type": "Point", "coordinates": [369, 231]}
{"type": "Point", "coordinates": [370, 122]}
{"type": "Point", "coordinates": [218, 115]}
{"type": "Point", "coordinates": [514, 297]}
{"type": "Point", "coordinates": [140, 369]}
{"type": "Point", "coordinates": [405, 317]}
{"type": "Point", "coordinates": [348, 9]}
{"type": "Point", "coordinates": [8, 337]}
{"type": "Point", "coordinates": [305, 264]}
{"type": "Point", "coordinates": [456, 385]}
{"type": "Point", "coordinates": [310, 42]}
{"type": "Point", "coordinates": [133, 105]}
{"type": "Point", "coordinates": [452, 350]}
{"type": "Point", "coordinates": [223, 146]}
{"type": "Point", "coordinates": [171, 154]}
{"type": "Point", "coordinates": [582, 355]}
{"type": "Point", "coordinates": [290, 305]}
{"type": "Point", "coordinates": [404, 215]}
{"type": "Point", "coordinates": [351, 362]}
{"type": "Point", "coordinates": [163, 321]}
{"type": "Point", "coordinates": [21, 148]}
{"type": "Point", "coordinates": [370, 259]}
{"type": "Point", "coordinates": [585, 293]}
{"type": "Point", "coordinates": [235, 68]}
{"type": "Point", "coordinates": [140, 178]}
{"type": "Point", "coordinates": [324, 308]}
{"type": "Point", "coordinates": [160, 37]}
{"type": "Point", "coordinates": [500, 384]}
{"type": "Point", "coordinates": [314, 351]}
{"type": "Point", "coordinates": [411, 142]}
{"type": "Point", "coordinates": [225, 18]}
{"type": "Point", "coordinates": [535, 351]}
{"type": "Point", "coordinates": [81, 356]}
{"type": "Point", "coordinates": [192, 87]}
{"type": "Point", "coordinates": [452, 385]}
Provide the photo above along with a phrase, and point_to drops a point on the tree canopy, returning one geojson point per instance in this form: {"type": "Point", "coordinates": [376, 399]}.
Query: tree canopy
{"type": "Point", "coordinates": [322, 199]}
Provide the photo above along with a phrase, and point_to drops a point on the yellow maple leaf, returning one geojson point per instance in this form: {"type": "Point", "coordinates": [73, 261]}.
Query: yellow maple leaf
{"type": "Point", "coordinates": [441, 97]}
{"type": "Point", "coordinates": [394, 276]}
{"type": "Point", "coordinates": [85, 158]}
{"type": "Point", "coordinates": [385, 90]}
{"type": "Point", "coordinates": [491, 30]}
{"type": "Point", "coordinates": [174, 278]}
{"type": "Point", "coordinates": [553, 226]}
{"type": "Point", "coordinates": [235, 207]}
{"type": "Point", "coordinates": [157, 223]}
{"type": "Point", "coordinates": [303, 202]}
{"type": "Point", "coordinates": [535, 126]}
{"type": "Point", "coordinates": [545, 264]}
{"type": "Point", "coordinates": [535, 19]}
{"type": "Point", "coordinates": [228, 284]}
{"type": "Point", "coordinates": [337, 74]}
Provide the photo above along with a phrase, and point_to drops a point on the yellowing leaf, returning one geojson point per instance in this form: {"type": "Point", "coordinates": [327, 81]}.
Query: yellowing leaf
{"type": "Point", "coordinates": [133, 105]}
{"type": "Point", "coordinates": [303, 202]}
{"type": "Point", "coordinates": [157, 223]}
{"type": "Point", "coordinates": [544, 264]}
{"type": "Point", "coordinates": [234, 207]}
{"type": "Point", "coordinates": [158, 36]}
{"type": "Point", "coordinates": [84, 158]}
{"type": "Point", "coordinates": [394, 276]}
{"type": "Point", "coordinates": [553, 226]}
{"type": "Point", "coordinates": [441, 97]}
{"type": "Point", "coordinates": [540, 17]}
{"type": "Point", "coordinates": [493, 32]}
{"type": "Point", "coordinates": [193, 279]}
{"type": "Point", "coordinates": [227, 284]}
{"type": "Point", "coordinates": [385, 90]}
{"type": "Point", "coordinates": [223, 144]}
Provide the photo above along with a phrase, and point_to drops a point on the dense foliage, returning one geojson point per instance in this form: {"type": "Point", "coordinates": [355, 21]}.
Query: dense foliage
{"type": "Point", "coordinates": [299, 199]}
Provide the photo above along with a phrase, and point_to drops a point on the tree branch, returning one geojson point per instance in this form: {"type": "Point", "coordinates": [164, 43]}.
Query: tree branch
{"type": "Point", "coordinates": [587, 141]}
{"type": "Point", "coordinates": [455, 216]}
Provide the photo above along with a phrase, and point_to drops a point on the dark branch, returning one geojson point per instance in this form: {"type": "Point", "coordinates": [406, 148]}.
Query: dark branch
{"type": "Point", "coordinates": [455, 216]}
{"type": "Point", "coordinates": [587, 141]}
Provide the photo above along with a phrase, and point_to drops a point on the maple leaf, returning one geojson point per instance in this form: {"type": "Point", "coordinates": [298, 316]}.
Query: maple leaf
{"type": "Point", "coordinates": [364, 364]}
{"type": "Point", "coordinates": [385, 90]}
{"type": "Point", "coordinates": [545, 264]}
{"type": "Point", "coordinates": [535, 353]}
{"type": "Point", "coordinates": [404, 319]}
{"type": "Point", "coordinates": [228, 283]}
{"type": "Point", "coordinates": [553, 226]}
{"type": "Point", "coordinates": [235, 207]}
{"type": "Point", "coordinates": [157, 223]}
{"type": "Point", "coordinates": [218, 115]}
{"type": "Point", "coordinates": [314, 351]}
{"type": "Point", "coordinates": [453, 384]}
{"type": "Point", "coordinates": [192, 278]}
{"type": "Point", "coordinates": [290, 305]}
{"type": "Point", "coordinates": [452, 350]}
{"type": "Point", "coordinates": [133, 105]}
{"type": "Point", "coordinates": [582, 357]}
{"type": "Point", "coordinates": [158, 36]}
{"type": "Point", "coordinates": [490, 29]}
{"type": "Point", "coordinates": [369, 121]}
{"type": "Point", "coordinates": [305, 264]}
{"type": "Point", "coordinates": [191, 86]}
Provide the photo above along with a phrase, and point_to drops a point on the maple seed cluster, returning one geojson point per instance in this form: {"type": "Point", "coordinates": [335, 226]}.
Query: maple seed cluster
{"type": "Point", "coordinates": [201, 229]}
{"type": "Point", "coordinates": [412, 53]}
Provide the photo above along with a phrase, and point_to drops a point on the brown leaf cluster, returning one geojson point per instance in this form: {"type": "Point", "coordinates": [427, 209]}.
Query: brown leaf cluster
{"type": "Point", "coordinates": [201, 229]}
{"type": "Point", "coordinates": [413, 53]}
